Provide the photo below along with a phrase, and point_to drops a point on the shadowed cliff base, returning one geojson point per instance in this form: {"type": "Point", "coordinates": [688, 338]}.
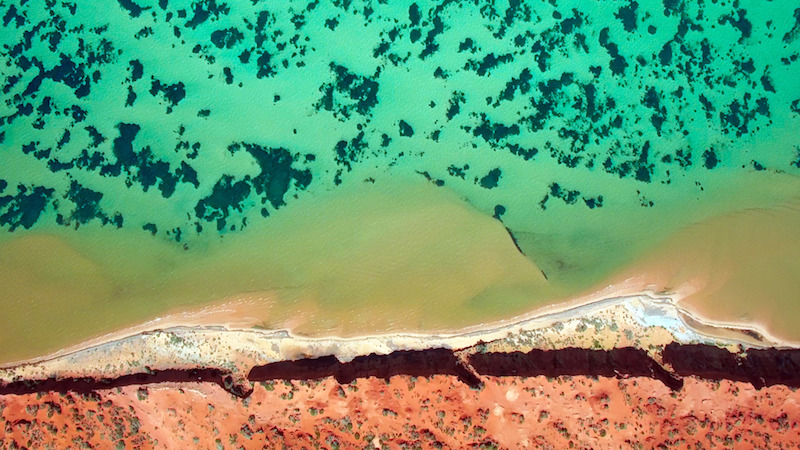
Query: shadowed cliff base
{"type": "Point", "coordinates": [87, 385]}
{"type": "Point", "coordinates": [619, 362]}
{"type": "Point", "coordinates": [418, 363]}
{"type": "Point", "coordinates": [623, 362]}
{"type": "Point", "coordinates": [761, 368]}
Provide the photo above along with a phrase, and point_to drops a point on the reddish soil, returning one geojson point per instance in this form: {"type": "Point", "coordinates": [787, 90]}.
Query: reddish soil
{"type": "Point", "coordinates": [404, 411]}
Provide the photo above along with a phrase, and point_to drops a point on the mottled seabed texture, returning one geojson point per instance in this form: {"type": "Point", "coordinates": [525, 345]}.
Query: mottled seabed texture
{"type": "Point", "coordinates": [355, 167]}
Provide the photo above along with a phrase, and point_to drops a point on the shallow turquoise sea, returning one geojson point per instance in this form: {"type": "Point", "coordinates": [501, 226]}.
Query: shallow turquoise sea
{"type": "Point", "coordinates": [163, 154]}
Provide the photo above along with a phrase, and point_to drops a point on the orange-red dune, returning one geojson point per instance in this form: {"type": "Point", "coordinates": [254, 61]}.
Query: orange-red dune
{"type": "Point", "coordinates": [408, 412]}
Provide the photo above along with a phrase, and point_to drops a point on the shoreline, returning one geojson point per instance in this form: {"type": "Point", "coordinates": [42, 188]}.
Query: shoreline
{"type": "Point", "coordinates": [199, 320]}
{"type": "Point", "coordinates": [616, 316]}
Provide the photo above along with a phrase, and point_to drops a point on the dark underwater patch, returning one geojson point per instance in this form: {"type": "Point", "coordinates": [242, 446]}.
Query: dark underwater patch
{"type": "Point", "coordinates": [133, 9]}
{"type": "Point", "coordinates": [570, 197]}
{"type": "Point", "coordinates": [226, 196]}
{"type": "Point", "coordinates": [454, 106]}
{"type": "Point", "coordinates": [172, 93]}
{"type": "Point", "coordinates": [628, 15]}
{"type": "Point", "coordinates": [641, 167]}
{"type": "Point", "coordinates": [151, 227]}
{"type": "Point", "coordinates": [24, 208]}
{"type": "Point", "coordinates": [123, 144]}
{"type": "Point", "coordinates": [794, 32]}
{"type": "Point", "coordinates": [226, 38]}
{"type": "Point", "coordinates": [414, 14]}
{"type": "Point", "coordinates": [520, 84]}
{"type": "Point", "coordinates": [494, 132]}
{"type": "Point", "coordinates": [492, 179]}
{"type": "Point", "coordinates": [710, 159]}
{"type": "Point", "coordinates": [405, 129]}
{"type": "Point", "coordinates": [277, 173]}
{"type": "Point", "coordinates": [143, 166]}
{"type": "Point", "coordinates": [740, 22]}
{"type": "Point", "coordinates": [348, 93]}
{"type": "Point", "coordinates": [349, 152]}
{"type": "Point", "coordinates": [489, 62]}
{"type": "Point", "coordinates": [431, 46]}
{"type": "Point", "coordinates": [202, 10]}
{"type": "Point", "coordinates": [456, 171]}
{"type": "Point", "coordinates": [87, 207]}
{"type": "Point", "coordinates": [72, 75]}
{"type": "Point", "coordinates": [618, 62]}
{"type": "Point", "coordinates": [525, 153]}
{"type": "Point", "coordinates": [499, 210]}
{"type": "Point", "coordinates": [436, 181]}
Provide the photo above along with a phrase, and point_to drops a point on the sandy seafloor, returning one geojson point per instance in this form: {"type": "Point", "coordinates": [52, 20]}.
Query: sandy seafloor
{"type": "Point", "coordinates": [357, 168]}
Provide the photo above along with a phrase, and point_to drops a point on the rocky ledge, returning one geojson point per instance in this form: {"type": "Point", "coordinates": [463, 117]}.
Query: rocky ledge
{"type": "Point", "coordinates": [759, 367]}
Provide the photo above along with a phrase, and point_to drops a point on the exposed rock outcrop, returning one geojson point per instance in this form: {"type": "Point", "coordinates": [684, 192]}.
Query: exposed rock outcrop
{"type": "Point", "coordinates": [765, 367]}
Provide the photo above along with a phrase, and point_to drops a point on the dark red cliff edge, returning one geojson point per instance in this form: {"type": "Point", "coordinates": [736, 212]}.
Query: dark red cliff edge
{"type": "Point", "coordinates": [87, 385]}
{"type": "Point", "coordinates": [759, 367]}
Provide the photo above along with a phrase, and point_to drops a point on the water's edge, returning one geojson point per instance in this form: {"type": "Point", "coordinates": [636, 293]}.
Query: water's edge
{"type": "Point", "coordinates": [639, 335]}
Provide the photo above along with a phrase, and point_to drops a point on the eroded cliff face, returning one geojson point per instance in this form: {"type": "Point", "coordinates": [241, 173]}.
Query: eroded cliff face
{"type": "Point", "coordinates": [697, 394]}
{"type": "Point", "coordinates": [759, 367]}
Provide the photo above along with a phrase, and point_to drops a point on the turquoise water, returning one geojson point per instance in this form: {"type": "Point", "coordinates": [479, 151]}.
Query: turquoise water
{"type": "Point", "coordinates": [590, 130]}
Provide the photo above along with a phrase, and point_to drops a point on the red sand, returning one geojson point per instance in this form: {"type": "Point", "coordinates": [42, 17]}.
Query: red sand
{"type": "Point", "coordinates": [436, 412]}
